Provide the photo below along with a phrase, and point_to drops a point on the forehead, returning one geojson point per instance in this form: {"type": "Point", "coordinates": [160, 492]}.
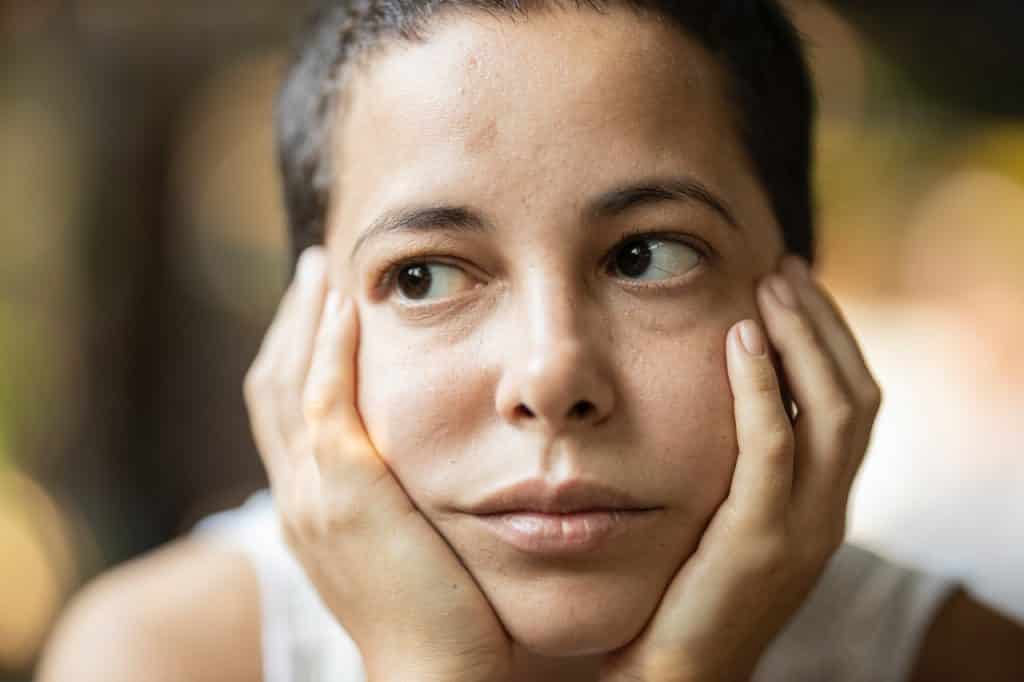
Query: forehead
{"type": "Point", "coordinates": [536, 112]}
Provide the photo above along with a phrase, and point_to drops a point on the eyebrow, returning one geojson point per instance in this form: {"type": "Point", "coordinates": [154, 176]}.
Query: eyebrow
{"type": "Point", "coordinates": [602, 207]}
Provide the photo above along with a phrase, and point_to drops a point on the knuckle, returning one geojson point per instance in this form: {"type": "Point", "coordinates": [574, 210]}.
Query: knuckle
{"type": "Point", "coordinates": [350, 507]}
{"type": "Point", "coordinates": [779, 440]}
{"type": "Point", "coordinates": [360, 507]}
{"type": "Point", "coordinates": [843, 416]}
{"type": "Point", "coordinates": [279, 385]}
{"type": "Point", "coordinates": [872, 397]}
{"type": "Point", "coordinates": [763, 379]}
{"type": "Point", "coordinates": [303, 525]}
{"type": "Point", "coordinates": [317, 400]}
{"type": "Point", "coordinates": [769, 549]}
{"type": "Point", "coordinates": [345, 517]}
{"type": "Point", "coordinates": [800, 328]}
{"type": "Point", "coordinates": [255, 380]}
{"type": "Point", "coordinates": [288, 532]}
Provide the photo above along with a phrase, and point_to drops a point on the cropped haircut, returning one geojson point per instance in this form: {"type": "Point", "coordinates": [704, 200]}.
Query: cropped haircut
{"type": "Point", "coordinates": [769, 86]}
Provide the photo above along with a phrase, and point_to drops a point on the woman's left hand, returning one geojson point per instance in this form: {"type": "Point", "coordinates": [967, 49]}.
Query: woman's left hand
{"type": "Point", "coordinates": [771, 539]}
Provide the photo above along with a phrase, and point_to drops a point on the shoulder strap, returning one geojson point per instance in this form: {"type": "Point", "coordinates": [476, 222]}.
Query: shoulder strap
{"type": "Point", "coordinates": [301, 640]}
{"type": "Point", "coordinates": [865, 620]}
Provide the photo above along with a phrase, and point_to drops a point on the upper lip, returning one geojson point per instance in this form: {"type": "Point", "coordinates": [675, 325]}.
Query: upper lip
{"type": "Point", "coordinates": [575, 495]}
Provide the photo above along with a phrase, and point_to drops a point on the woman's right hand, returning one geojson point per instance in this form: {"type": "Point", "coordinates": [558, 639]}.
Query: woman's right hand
{"type": "Point", "coordinates": [380, 567]}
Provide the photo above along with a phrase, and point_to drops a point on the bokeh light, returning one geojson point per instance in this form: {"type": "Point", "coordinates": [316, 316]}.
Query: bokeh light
{"type": "Point", "coordinates": [39, 568]}
{"type": "Point", "coordinates": [231, 241]}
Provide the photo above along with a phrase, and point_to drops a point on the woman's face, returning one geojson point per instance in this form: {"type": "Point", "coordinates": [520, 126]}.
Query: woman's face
{"type": "Point", "coordinates": [535, 332]}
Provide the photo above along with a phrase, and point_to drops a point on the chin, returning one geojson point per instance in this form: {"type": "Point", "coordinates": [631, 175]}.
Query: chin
{"type": "Point", "coordinates": [565, 615]}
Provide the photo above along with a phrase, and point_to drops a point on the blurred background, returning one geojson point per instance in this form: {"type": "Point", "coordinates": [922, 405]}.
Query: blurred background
{"type": "Point", "coordinates": [143, 251]}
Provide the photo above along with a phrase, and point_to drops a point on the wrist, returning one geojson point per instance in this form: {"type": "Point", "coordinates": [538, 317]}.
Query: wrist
{"type": "Point", "coordinates": [685, 671]}
{"type": "Point", "coordinates": [419, 675]}
{"type": "Point", "coordinates": [405, 672]}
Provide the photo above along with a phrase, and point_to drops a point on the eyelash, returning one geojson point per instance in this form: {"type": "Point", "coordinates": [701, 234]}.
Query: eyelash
{"type": "Point", "coordinates": [389, 272]}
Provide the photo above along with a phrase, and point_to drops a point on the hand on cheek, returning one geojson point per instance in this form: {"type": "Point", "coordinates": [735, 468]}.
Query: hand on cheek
{"type": "Point", "coordinates": [379, 566]}
{"type": "Point", "coordinates": [785, 514]}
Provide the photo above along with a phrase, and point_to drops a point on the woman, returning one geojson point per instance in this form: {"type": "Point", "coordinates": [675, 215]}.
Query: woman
{"type": "Point", "coordinates": [521, 412]}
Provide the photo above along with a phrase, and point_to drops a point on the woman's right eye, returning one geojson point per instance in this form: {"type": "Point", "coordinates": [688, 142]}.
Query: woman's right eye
{"type": "Point", "coordinates": [428, 280]}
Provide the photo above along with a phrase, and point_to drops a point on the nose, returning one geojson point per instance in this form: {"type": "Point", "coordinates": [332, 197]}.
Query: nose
{"type": "Point", "coordinates": [554, 380]}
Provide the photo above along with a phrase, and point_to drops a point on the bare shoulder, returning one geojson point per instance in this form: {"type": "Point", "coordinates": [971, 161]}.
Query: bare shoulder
{"type": "Point", "coordinates": [969, 641]}
{"type": "Point", "coordinates": [186, 611]}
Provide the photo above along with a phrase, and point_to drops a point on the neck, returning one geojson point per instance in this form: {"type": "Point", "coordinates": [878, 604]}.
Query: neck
{"type": "Point", "coordinates": [529, 667]}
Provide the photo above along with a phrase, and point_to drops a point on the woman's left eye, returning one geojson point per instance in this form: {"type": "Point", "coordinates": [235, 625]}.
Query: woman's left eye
{"type": "Point", "coordinates": [662, 258]}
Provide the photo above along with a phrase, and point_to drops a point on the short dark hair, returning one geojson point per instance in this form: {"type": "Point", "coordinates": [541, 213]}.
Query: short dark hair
{"type": "Point", "coordinates": [755, 40]}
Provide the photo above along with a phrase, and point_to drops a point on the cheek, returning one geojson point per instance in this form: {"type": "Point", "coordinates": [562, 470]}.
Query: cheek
{"type": "Point", "coordinates": [423, 405]}
{"type": "Point", "coordinates": [415, 399]}
{"type": "Point", "coordinates": [682, 400]}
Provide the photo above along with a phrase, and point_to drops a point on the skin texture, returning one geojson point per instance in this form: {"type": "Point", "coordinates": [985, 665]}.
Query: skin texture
{"type": "Point", "coordinates": [378, 423]}
{"type": "Point", "coordinates": [525, 123]}
{"type": "Point", "coordinates": [383, 419]}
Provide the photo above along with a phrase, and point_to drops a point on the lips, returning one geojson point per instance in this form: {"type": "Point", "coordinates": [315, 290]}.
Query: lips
{"type": "Point", "coordinates": [567, 497]}
{"type": "Point", "coordinates": [572, 517]}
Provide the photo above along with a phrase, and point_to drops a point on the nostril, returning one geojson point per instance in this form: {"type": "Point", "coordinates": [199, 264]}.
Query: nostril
{"type": "Point", "coordinates": [523, 411]}
{"type": "Point", "coordinates": [581, 409]}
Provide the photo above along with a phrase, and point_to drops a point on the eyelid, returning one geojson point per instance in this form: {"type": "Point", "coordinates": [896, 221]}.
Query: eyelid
{"type": "Point", "coordinates": [704, 254]}
{"type": "Point", "coordinates": [385, 280]}
{"type": "Point", "coordinates": [686, 239]}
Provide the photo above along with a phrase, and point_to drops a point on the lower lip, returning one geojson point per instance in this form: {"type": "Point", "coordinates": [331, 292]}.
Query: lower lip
{"type": "Point", "coordinates": [540, 533]}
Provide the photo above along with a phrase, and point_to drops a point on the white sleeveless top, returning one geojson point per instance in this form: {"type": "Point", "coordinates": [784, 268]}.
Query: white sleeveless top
{"type": "Point", "coordinates": [864, 621]}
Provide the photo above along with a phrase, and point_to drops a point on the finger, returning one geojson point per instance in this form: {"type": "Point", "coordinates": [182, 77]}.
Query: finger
{"type": "Point", "coordinates": [261, 390]}
{"type": "Point", "coordinates": [294, 349]}
{"type": "Point", "coordinates": [303, 326]}
{"type": "Point", "coordinates": [831, 324]}
{"type": "Point", "coordinates": [341, 445]}
{"type": "Point", "coordinates": [321, 391]}
{"type": "Point", "coordinates": [826, 412]}
{"type": "Point", "coordinates": [357, 487]}
{"type": "Point", "coordinates": [762, 480]}
{"type": "Point", "coordinates": [304, 492]}
{"type": "Point", "coordinates": [835, 332]}
{"type": "Point", "coordinates": [274, 345]}
{"type": "Point", "coordinates": [269, 442]}
{"type": "Point", "coordinates": [285, 308]}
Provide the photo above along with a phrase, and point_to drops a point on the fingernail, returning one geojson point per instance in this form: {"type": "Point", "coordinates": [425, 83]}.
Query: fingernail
{"type": "Point", "coordinates": [751, 337]}
{"type": "Point", "coordinates": [311, 264]}
{"type": "Point", "coordinates": [782, 290]}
